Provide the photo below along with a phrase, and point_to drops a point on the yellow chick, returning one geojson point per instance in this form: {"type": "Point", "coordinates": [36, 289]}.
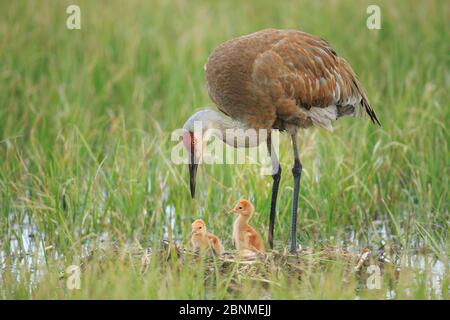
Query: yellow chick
{"type": "Point", "coordinates": [202, 240]}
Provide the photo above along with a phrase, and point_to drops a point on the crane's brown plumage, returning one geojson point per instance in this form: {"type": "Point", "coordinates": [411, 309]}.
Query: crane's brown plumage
{"type": "Point", "coordinates": [276, 78]}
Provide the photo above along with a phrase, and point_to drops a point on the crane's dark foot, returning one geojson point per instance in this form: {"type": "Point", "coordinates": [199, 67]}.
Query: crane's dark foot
{"type": "Point", "coordinates": [293, 249]}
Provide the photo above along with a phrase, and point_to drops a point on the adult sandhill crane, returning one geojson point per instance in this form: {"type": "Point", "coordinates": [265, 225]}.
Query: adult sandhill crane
{"type": "Point", "coordinates": [276, 79]}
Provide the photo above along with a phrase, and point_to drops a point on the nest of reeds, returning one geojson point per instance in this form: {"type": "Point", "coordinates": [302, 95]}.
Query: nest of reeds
{"type": "Point", "coordinates": [249, 265]}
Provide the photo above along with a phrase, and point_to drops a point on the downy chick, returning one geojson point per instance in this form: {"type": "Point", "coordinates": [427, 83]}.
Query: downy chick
{"type": "Point", "coordinates": [244, 236]}
{"type": "Point", "coordinates": [202, 240]}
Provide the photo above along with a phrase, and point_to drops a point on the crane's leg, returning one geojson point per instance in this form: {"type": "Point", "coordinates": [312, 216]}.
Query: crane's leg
{"type": "Point", "coordinates": [297, 173]}
{"type": "Point", "coordinates": [276, 175]}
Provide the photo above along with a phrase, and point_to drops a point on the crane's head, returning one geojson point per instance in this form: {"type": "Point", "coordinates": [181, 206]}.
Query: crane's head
{"type": "Point", "coordinates": [194, 140]}
{"type": "Point", "coordinates": [243, 208]}
{"type": "Point", "coordinates": [198, 228]}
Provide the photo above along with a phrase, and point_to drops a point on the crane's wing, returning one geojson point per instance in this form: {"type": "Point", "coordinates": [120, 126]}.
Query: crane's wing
{"type": "Point", "coordinates": [272, 78]}
{"type": "Point", "coordinates": [303, 71]}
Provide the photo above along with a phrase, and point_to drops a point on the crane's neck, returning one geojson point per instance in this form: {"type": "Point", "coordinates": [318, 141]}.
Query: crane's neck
{"type": "Point", "coordinates": [233, 132]}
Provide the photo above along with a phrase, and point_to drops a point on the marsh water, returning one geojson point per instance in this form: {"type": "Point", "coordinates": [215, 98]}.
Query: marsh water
{"type": "Point", "coordinates": [26, 249]}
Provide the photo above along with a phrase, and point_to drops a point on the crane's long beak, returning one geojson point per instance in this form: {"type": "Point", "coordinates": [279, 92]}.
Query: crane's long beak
{"type": "Point", "coordinates": [192, 173]}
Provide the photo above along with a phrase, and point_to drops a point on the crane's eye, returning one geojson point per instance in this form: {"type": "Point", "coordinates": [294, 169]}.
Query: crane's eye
{"type": "Point", "coordinates": [189, 140]}
{"type": "Point", "coordinates": [240, 207]}
{"type": "Point", "coordinates": [200, 227]}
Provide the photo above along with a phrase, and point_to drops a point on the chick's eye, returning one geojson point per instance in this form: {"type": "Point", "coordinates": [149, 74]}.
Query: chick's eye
{"type": "Point", "coordinates": [240, 207]}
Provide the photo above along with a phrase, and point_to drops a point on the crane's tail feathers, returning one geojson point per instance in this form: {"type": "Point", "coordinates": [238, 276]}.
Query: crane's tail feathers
{"type": "Point", "coordinates": [365, 103]}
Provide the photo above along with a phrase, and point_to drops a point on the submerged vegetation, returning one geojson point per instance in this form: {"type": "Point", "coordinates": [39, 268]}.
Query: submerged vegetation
{"type": "Point", "coordinates": [85, 155]}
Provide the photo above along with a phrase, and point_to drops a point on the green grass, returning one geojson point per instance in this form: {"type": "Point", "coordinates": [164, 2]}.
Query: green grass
{"type": "Point", "coordinates": [85, 123]}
